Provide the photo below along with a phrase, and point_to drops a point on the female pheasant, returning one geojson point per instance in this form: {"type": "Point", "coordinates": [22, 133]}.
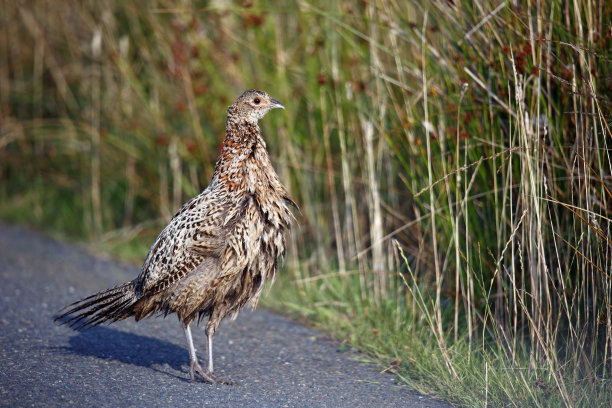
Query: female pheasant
{"type": "Point", "coordinates": [218, 250]}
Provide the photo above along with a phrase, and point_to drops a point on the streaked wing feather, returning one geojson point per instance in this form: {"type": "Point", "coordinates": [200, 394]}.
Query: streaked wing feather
{"type": "Point", "coordinates": [194, 233]}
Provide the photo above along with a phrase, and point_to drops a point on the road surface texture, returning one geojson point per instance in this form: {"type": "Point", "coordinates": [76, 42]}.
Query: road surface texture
{"type": "Point", "coordinates": [274, 362]}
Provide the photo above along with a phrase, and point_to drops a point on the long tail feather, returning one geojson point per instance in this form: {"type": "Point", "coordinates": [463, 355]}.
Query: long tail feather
{"type": "Point", "coordinates": [109, 305]}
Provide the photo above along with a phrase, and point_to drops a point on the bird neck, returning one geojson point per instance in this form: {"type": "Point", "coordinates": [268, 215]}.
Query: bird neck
{"type": "Point", "coordinates": [241, 132]}
{"type": "Point", "coordinates": [243, 150]}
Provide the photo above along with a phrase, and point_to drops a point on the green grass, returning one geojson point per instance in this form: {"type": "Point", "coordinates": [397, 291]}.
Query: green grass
{"type": "Point", "coordinates": [451, 162]}
{"type": "Point", "coordinates": [401, 339]}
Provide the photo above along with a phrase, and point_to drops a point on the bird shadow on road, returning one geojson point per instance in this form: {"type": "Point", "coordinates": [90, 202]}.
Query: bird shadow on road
{"type": "Point", "coordinates": [111, 344]}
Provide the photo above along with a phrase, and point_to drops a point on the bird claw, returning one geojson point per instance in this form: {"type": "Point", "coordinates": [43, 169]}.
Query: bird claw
{"type": "Point", "coordinates": [206, 375]}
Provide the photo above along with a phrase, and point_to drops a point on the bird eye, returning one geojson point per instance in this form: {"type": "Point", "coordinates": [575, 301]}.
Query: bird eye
{"type": "Point", "coordinates": [256, 101]}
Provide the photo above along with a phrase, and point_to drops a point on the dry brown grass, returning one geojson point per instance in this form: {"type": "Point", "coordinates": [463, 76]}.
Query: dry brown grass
{"type": "Point", "coordinates": [452, 164]}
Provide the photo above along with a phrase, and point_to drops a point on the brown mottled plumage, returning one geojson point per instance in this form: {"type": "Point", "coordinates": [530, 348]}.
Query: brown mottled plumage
{"type": "Point", "coordinates": [218, 250]}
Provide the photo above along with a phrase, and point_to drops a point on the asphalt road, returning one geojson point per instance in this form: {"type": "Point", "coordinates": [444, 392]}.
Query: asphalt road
{"type": "Point", "coordinates": [273, 361]}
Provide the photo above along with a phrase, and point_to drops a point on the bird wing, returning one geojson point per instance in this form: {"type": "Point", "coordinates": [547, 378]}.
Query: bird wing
{"type": "Point", "coordinates": [242, 246]}
{"type": "Point", "coordinates": [195, 233]}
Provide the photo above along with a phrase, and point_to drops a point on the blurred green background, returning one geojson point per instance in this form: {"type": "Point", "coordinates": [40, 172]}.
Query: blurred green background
{"type": "Point", "coordinates": [450, 158]}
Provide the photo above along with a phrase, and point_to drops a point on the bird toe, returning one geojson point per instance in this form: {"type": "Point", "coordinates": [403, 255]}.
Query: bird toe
{"type": "Point", "coordinates": [205, 375]}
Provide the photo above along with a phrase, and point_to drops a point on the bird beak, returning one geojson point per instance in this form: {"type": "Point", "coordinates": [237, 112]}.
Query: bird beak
{"type": "Point", "coordinates": [276, 104]}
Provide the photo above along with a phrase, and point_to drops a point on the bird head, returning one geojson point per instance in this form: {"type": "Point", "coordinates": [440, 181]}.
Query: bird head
{"type": "Point", "coordinates": [252, 105]}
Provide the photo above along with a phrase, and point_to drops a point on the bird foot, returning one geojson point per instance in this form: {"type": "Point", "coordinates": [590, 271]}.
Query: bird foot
{"type": "Point", "coordinates": [206, 375]}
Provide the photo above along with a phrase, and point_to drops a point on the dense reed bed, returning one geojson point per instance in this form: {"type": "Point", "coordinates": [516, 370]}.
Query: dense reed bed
{"type": "Point", "coordinates": [451, 160]}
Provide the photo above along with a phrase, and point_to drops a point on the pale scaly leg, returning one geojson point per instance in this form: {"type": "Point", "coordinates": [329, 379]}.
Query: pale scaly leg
{"type": "Point", "coordinates": [210, 371]}
{"type": "Point", "coordinates": [210, 354]}
{"type": "Point", "coordinates": [194, 366]}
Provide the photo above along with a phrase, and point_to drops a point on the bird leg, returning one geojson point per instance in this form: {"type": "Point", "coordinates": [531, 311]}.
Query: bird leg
{"type": "Point", "coordinates": [194, 365]}
{"type": "Point", "coordinates": [210, 370]}
{"type": "Point", "coordinates": [209, 338]}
